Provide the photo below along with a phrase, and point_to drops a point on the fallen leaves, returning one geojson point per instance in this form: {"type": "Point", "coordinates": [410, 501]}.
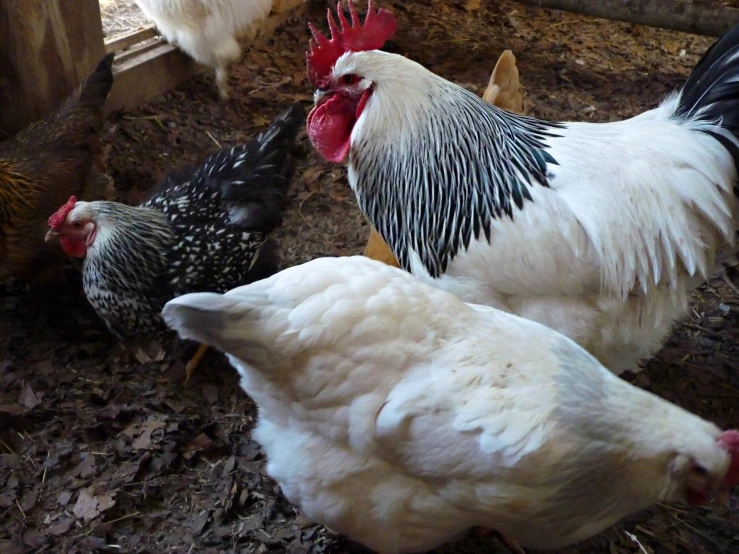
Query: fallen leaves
{"type": "Point", "coordinates": [90, 506]}
{"type": "Point", "coordinates": [185, 473]}
{"type": "Point", "coordinates": [142, 433]}
{"type": "Point", "coordinates": [29, 399]}
{"type": "Point", "coordinates": [201, 442]}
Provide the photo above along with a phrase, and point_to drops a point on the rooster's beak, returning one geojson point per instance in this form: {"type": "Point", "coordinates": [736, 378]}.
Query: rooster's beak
{"type": "Point", "coordinates": [51, 236]}
{"type": "Point", "coordinates": [320, 97]}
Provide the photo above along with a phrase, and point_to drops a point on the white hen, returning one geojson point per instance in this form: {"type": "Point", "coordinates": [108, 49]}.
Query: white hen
{"type": "Point", "coordinates": [208, 30]}
{"type": "Point", "coordinates": [394, 413]}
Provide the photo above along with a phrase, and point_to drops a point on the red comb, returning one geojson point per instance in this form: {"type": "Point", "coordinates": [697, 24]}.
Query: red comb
{"type": "Point", "coordinates": [378, 26]}
{"type": "Point", "coordinates": [58, 217]}
{"type": "Point", "coordinates": [729, 440]}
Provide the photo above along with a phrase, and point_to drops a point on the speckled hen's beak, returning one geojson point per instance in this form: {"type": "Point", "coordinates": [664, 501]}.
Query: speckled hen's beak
{"type": "Point", "coordinates": [51, 236]}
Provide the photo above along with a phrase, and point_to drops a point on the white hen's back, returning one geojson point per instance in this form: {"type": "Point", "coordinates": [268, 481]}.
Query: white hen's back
{"type": "Point", "coordinates": [394, 413]}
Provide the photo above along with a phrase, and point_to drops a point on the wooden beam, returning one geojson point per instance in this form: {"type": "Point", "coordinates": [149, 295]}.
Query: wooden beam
{"type": "Point", "coordinates": [146, 72]}
{"type": "Point", "coordinates": [689, 16]}
{"type": "Point", "coordinates": [126, 40]}
{"type": "Point", "coordinates": [46, 48]}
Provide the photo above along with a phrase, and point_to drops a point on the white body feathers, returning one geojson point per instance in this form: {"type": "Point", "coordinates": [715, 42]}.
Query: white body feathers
{"type": "Point", "coordinates": [638, 213]}
{"type": "Point", "coordinates": [394, 413]}
{"type": "Point", "coordinates": [208, 30]}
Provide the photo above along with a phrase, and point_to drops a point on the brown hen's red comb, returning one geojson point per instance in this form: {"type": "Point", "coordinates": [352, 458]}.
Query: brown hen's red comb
{"type": "Point", "coordinates": [57, 219]}
{"type": "Point", "coordinates": [378, 26]}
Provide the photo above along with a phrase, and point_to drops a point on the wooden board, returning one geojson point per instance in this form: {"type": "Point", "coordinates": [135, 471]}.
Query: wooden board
{"type": "Point", "coordinates": [145, 72]}
{"type": "Point", "coordinates": [126, 40]}
{"type": "Point", "coordinates": [46, 48]}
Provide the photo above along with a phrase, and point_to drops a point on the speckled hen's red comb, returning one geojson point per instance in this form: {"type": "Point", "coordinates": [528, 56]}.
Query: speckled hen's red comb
{"type": "Point", "coordinates": [729, 440]}
{"type": "Point", "coordinates": [378, 26]}
{"type": "Point", "coordinates": [57, 219]}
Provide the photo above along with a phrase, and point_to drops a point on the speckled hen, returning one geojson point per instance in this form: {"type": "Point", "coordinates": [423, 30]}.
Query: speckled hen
{"type": "Point", "coordinates": [204, 229]}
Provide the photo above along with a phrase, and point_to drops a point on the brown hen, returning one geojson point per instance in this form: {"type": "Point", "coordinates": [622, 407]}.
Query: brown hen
{"type": "Point", "coordinates": [42, 166]}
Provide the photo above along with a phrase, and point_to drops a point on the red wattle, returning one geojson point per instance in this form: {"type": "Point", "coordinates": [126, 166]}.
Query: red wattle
{"type": "Point", "coordinates": [330, 127]}
{"type": "Point", "coordinates": [73, 246]}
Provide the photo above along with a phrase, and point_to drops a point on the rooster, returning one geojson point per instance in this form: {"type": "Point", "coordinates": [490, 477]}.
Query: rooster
{"type": "Point", "coordinates": [204, 229]}
{"type": "Point", "coordinates": [393, 412]}
{"type": "Point", "coordinates": [597, 230]}
{"type": "Point", "coordinates": [41, 167]}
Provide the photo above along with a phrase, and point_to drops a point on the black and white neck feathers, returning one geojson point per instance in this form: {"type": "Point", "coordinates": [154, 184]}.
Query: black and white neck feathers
{"type": "Point", "coordinates": [456, 165]}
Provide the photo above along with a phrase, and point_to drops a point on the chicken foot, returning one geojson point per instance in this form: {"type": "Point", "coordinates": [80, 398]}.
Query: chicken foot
{"type": "Point", "coordinates": [194, 361]}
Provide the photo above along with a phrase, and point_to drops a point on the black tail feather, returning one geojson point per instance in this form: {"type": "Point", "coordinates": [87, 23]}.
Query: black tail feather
{"type": "Point", "coordinates": [711, 92]}
{"type": "Point", "coordinates": [94, 90]}
{"type": "Point", "coordinates": [257, 187]}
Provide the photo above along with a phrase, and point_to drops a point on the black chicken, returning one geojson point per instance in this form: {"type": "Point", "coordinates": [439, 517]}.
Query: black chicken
{"type": "Point", "coordinates": [204, 229]}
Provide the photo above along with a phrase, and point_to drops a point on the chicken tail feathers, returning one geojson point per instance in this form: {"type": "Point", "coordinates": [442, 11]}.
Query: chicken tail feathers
{"type": "Point", "coordinates": [225, 321]}
{"type": "Point", "coordinates": [711, 93]}
{"type": "Point", "coordinates": [94, 90]}
{"type": "Point", "coordinates": [254, 179]}
{"type": "Point", "coordinates": [198, 316]}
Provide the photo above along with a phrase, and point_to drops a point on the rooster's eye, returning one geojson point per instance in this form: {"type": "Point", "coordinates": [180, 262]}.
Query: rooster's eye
{"type": "Point", "coordinates": [349, 79]}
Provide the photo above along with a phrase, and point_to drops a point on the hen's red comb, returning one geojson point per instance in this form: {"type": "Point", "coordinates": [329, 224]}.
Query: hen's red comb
{"type": "Point", "coordinates": [378, 26]}
{"type": "Point", "coordinates": [57, 219]}
{"type": "Point", "coordinates": [729, 440]}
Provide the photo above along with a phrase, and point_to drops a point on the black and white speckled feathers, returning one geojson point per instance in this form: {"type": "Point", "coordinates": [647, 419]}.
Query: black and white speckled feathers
{"type": "Point", "coordinates": [469, 163]}
{"type": "Point", "coordinates": [204, 229]}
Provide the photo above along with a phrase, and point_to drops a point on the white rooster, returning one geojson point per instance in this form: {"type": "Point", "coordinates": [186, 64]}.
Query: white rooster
{"type": "Point", "coordinates": [394, 413]}
{"type": "Point", "coordinates": [208, 30]}
{"type": "Point", "coordinates": [598, 231]}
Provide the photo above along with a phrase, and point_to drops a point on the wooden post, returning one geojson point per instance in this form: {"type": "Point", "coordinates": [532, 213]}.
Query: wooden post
{"type": "Point", "coordinates": [690, 16]}
{"type": "Point", "coordinates": [46, 48]}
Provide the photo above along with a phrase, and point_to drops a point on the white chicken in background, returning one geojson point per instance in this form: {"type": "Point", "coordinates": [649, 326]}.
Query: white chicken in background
{"type": "Point", "coordinates": [208, 30]}
{"type": "Point", "coordinates": [597, 230]}
{"type": "Point", "coordinates": [394, 413]}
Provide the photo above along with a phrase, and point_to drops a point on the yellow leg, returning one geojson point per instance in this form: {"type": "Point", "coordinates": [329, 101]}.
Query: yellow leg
{"type": "Point", "coordinates": [194, 361]}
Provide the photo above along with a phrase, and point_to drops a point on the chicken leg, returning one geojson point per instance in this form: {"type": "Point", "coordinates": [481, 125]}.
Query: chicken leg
{"type": "Point", "coordinates": [194, 361]}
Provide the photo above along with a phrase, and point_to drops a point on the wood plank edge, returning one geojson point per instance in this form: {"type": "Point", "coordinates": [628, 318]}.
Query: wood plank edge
{"type": "Point", "coordinates": [126, 40]}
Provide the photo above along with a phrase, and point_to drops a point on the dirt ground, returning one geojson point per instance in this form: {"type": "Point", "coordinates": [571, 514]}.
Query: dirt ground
{"type": "Point", "coordinates": [121, 16]}
{"type": "Point", "coordinates": [96, 455]}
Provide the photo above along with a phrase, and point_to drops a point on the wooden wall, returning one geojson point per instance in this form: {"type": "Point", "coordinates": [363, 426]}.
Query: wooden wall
{"type": "Point", "coordinates": [46, 48]}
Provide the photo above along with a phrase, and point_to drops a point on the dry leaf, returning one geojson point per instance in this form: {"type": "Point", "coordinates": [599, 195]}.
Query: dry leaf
{"type": "Point", "coordinates": [45, 367]}
{"type": "Point", "coordinates": [28, 398]}
{"type": "Point", "coordinates": [199, 521]}
{"type": "Point", "coordinates": [143, 433]}
{"type": "Point", "coordinates": [61, 527]}
{"type": "Point", "coordinates": [89, 507]}
{"type": "Point", "coordinates": [472, 5]}
{"type": "Point", "coordinates": [200, 442]}
{"type": "Point", "coordinates": [86, 468]}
